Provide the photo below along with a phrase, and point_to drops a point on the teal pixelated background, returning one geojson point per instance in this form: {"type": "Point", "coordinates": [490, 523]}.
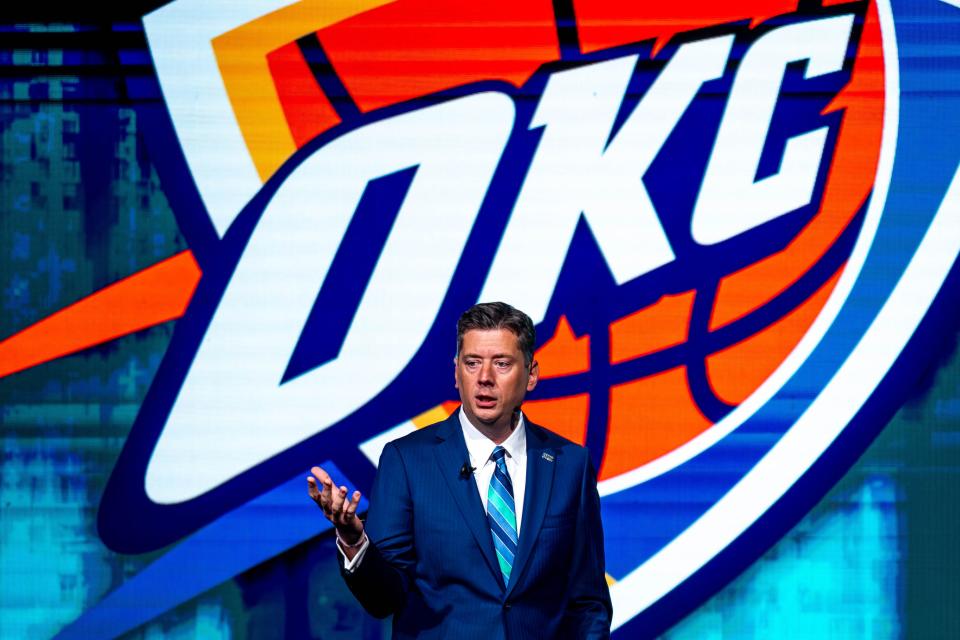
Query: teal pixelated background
{"type": "Point", "coordinates": [81, 206]}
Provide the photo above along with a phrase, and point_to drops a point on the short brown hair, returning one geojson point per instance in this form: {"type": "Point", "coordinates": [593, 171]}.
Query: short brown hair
{"type": "Point", "coordinates": [499, 315]}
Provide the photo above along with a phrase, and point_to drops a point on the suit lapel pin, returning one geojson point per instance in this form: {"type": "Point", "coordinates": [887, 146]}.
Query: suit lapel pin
{"type": "Point", "coordinates": [546, 456]}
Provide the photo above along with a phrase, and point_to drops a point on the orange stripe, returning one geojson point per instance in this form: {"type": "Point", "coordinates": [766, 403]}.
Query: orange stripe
{"type": "Point", "coordinates": [156, 294]}
{"type": "Point", "coordinates": [658, 326]}
{"type": "Point", "coordinates": [450, 406]}
{"type": "Point", "coordinates": [649, 418]}
{"type": "Point", "coordinates": [564, 354]}
{"type": "Point", "coordinates": [738, 370]}
{"type": "Point", "coordinates": [308, 111]}
{"type": "Point", "coordinates": [565, 416]}
{"type": "Point", "coordinates": [242, 57]}
{"type": "Point", "coordinates": [602, 24]}
{"type": "Point", "coordinates": [412, 48]}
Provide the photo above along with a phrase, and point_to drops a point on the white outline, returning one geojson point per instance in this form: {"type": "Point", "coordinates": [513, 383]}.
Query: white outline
{"type": "Point", "coordinates": [180, 36]}
{"type": "Point", "coordinates": [373, 447]}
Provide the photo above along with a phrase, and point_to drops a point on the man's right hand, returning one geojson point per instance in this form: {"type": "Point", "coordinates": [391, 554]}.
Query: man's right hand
{"type": "Point", "coordinates": [336, 508]}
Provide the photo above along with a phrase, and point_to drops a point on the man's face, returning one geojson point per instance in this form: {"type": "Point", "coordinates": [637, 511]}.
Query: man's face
{"type": "Point", "coordinates": [492, 377]}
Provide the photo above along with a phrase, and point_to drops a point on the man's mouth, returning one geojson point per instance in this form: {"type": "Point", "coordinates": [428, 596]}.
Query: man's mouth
{"type": "Point", "coordinates": [485, 402]}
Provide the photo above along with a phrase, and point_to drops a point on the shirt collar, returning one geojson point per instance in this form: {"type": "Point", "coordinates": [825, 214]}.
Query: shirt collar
{"type": "Point", "coordinates": [480, 447]}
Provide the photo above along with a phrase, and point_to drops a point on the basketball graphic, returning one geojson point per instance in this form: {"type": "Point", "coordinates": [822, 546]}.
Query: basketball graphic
{"type": "Point", "coordinates": [700, 207]}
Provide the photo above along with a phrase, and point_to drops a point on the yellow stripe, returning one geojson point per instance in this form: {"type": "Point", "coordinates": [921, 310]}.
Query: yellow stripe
{"type": "Point", "coordinates": [242, 57]}
{"type": "Point", "coordinates": [610, 579]}
{"type": "Point", "coordinates": [429, 417]}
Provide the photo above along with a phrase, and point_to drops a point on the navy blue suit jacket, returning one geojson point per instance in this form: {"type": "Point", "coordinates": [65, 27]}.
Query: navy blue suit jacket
{"type": "Point", "coordinates": [432, 564]}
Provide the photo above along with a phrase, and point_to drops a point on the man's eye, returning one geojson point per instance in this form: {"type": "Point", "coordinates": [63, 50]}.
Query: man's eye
{"type": "Point", "coordinates": [502, 364]}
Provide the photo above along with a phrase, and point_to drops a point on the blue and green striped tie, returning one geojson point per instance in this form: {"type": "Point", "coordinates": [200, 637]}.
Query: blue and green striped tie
{"type": "Point", "coordinates": [501, 514]}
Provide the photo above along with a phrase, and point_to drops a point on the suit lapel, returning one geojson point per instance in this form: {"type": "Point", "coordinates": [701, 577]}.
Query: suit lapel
{"type": "Point", "coordinates": [540, 471]}
{"type": "Point", "coordinates": [451, 453]}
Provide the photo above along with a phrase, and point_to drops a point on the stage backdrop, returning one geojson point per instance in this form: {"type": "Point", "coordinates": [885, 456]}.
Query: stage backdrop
{"type": "Point", "coordinates": [236, 236]}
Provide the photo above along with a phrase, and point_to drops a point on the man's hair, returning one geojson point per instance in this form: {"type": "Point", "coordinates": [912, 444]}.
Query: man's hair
{"type": "Point", "coordinates": [499, 315]}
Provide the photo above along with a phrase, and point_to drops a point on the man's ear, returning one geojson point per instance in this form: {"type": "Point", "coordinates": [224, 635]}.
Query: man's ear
{"type": "Point", "coordinates": [456, 380]}
{"type": "Point", "coordinates": [534, 375]}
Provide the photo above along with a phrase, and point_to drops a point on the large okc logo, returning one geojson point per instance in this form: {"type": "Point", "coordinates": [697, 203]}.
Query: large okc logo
{"type": "Point", "coordinates": [699, 224]}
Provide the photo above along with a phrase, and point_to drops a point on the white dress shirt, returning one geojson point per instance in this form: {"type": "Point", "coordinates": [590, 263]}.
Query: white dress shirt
{"type": "Point", "coordinates": [480, 448]}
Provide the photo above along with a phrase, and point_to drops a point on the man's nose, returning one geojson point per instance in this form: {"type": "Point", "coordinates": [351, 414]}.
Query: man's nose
{"type": "Point", "coordinates": [486, 373]}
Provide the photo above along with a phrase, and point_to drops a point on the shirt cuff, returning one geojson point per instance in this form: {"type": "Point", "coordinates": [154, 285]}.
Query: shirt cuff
{"type": "Point", "coordinates": [350, 565]}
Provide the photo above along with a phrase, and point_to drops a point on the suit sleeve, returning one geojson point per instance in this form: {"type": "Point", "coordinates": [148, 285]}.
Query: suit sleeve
{"type": "Point", "coordinates": [381, 581]}
{"type": "Point", "coordinates": [589, 610]}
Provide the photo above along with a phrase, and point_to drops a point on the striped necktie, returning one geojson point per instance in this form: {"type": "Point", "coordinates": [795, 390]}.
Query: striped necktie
{"type": "Point", "coordinates": [501, 514]}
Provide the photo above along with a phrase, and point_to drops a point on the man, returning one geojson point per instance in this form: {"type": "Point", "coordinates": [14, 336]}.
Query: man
{"type": "Point", "coordinates": [484, 525]}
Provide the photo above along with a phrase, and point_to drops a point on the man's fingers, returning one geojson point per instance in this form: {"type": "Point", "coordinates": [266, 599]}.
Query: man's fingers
{"type": "Point", "coordinates": [336, 499]}
{"type": "Point", "coordinates": [346, 503]}
{"type": "Point", "coordinates": [337, 507]}
{"type": "Point", "coordinates": [324, 493]}
{"type": "Point", "coordinates": [312, 488]}
{"type": "Point", "coordinates": [322, 477]}
{"type": "Point", "coordinates": [326, 484]}
{"type": "Point", "coordinates": [350, 508]}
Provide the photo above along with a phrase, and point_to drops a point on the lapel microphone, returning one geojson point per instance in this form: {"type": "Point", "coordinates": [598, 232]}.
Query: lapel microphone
{"type": "Point", "coordinates": [466, 470]}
